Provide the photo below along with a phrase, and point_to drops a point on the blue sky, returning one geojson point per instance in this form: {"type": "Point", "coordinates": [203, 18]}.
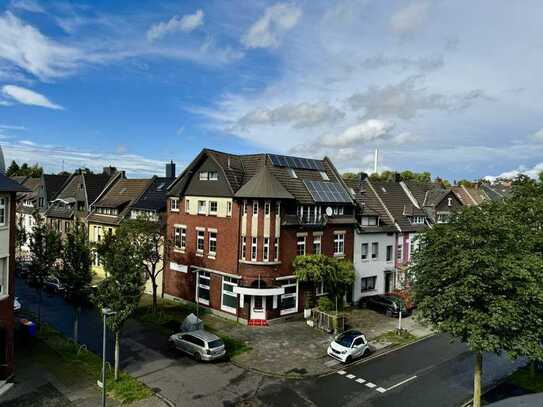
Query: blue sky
{"type": "Point", "coordinates": [449, 87]}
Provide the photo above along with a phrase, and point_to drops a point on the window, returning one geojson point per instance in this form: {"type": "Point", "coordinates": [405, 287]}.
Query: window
{"type": "Point", "coordinates": [253, 249]}
{"type": "Point", "coordinates": [174, 204]}
{"type": "Point", "coordinates": [203, 176]}
{"type": "Point", "coordinates": [212, 243]}
{"type": "Point", "coordinates": [276, 249]}
{"type": "Point", "coordinates": [292, 173]}
{"type": "Point", "coordinates": [202, 207]}
{"type": "Point", "coordinates": [40, 202]}
{"type": "Point", "coordinates": [229, 299]}
{"type": "Point", "coordinates": [338, 210]}
{"type": "Point", "coordinates": [187, 205]}
{"type": "Point", "coordinates": [324, 176]}
{"type": "Point", "coordinates": [267, 207]}
{"type": "Point", "coordinates": [389, 253]}
{"type": "Point", "coordinates": [213, 175]}
{"type": "Point", "coordinates": [243, 248]}
{"type": "Point", "coordinates": [3, 211]}
{"type": "Point", "coordinates": [200, 241]}
{"type": "Point", "coordinates": [339, 244]}
{"type": "Point", "coordinates": [266, 249]}
{"type": "Point", "coordinates": [369, 220]}
{"type": "Point", "coordinates": [317, 247]}
{"type": "Point", "coordinates": [213, 207]}
{"type": "Point", "coordinates": [300, 246]}
{"type": "Point", "coordinates": [417, 220]}
{"type": "Point", "coordinates": [364, 251]}
{"type": "Point", "coordinates": [66, 226]}
{"type": "Point", "coordinates": [449, 201]}
{"type": "Point", "coordinates": [368, 283]}
{"type": "Point", "coordinates": [180, 238]}
{"type": "Point", "coordinates": [442, 217]}
{"type": "Point", "coordinates": [277, 209]}
{"type": "Point", "coordinates": [245, 207]}
{"type": "Point", "coordinates": [319, 290]}
{"type": "Point", "coordinates": [399, 251]}
{"type": "Point", "coordinates": [289, 300]}
{"type": "Point", "coordinates": [255, 208]}
{"type": "Point", "coordinates": [375, 250]}
{"type": "Point", "coordinates": [4, 283]}
{"type": "Point", "coordinates": [229, 208]}
{"type": "Point", "coordinates": [203, 287]}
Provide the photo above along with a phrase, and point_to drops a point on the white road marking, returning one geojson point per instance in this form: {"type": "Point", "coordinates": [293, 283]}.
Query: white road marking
{"type": "Point", "coordinates": [361, 381]}
{"type": "Point", "coordinates": [350, 376]}
{"type": "Point", "coordinates": [370, 385]}
{"type": "Point", "coordinates": [341, 372]}
{"type": "Point", "coordinates": [402, 382]}
{"type": "Point", "coordinates": [380, 389]}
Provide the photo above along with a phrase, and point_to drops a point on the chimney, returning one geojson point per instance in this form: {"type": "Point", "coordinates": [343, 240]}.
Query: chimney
{"type": "Point", "coordinates": [228, 162]}
{"type": "Point", "coordinates": [170, 169]}
{"type": "Point", "coordinates": [362, 176]}
{"type": "Point", "coordinates": [109, 170]}
{"type": "Point", "coordinates": [397, 177]}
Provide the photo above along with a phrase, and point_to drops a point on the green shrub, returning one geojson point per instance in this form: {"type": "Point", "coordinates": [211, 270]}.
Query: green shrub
{"type": "Point", "coordinates": [326, 304]}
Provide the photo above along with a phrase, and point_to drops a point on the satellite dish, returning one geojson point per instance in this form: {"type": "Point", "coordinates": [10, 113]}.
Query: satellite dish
{"type": "Point", "coordinates": [329, 211]}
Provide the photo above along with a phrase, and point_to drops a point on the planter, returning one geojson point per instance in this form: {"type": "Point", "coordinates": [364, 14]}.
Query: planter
{"type": "Point", "coordinates": [307, 313]}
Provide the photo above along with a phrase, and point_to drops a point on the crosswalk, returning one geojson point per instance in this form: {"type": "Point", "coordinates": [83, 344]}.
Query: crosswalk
{"type": "Point", "coordinates": [360, 380]}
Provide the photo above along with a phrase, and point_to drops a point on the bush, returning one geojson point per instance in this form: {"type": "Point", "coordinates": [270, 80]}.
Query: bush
{"type": "Point", "coordinates": [326, 304]}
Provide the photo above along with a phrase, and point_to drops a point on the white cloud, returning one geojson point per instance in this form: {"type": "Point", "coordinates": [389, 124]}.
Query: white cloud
{"type": "Point", "coordinates": [532, 172]}
{"type": "Point", "coordinates": [27, 5]}
{"type": "Point", "coordinates": [269, 29]}
{"type": "Point", "coordinates": [298, 115]}
{"type": "Point", "coordinates": [405, 138]}
{"type": "Point", "coordinates": [27, 143]}
{"type": "Point", "coordinates": [367, 131]}
{"type": "Point", "coordinates": [28, 97]}
{"type": "Point", "coordinates": [186, 23]}
{"type": "Point", "coordinates": [11, 127]}
{"type": "Point", "coordinates": [538, 135]}
{"type": "Point", "coordinates": [409, 18]}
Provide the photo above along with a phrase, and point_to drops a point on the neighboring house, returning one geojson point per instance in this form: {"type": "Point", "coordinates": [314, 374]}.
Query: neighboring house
{"type": "Point", "coordinates": [438, 202]}
{"type": "Point", "coordinates": [73, 201]}
{"type": "Point", "coordinates": [238, 222]}
{"type": "Point", "coordinates": [152, 205]}
{"type": "Point", "coordinates": [8, 192]}
{"type": "Point", "coordinates": [109, 209]}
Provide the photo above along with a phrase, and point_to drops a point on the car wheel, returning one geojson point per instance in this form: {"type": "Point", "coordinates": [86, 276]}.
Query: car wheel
{"type": "Point", "coordinates": [388, 313]}
{"type": "Point", "coordinates": [349, 359]}
{"type": "Point", "coordinates": [197, 356]}
{"type": "Point", "coordinates": [366, 352]}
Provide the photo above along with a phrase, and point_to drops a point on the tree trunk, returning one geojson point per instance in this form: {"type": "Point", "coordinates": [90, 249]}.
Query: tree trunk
{"type": "Point", "coordinates": [77, 310]}
{"type": "Point", "coordinates": [477, 379]}
{"type": "Point", "coordinates": [39, 307]}
{"type": "Point", "coordinates": [117, 353]}
{"type": "Point", "coordinates": [154, 285]}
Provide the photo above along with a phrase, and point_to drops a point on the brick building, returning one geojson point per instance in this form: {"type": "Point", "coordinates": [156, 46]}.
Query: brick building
{"type": "Point", "coordinates": [237, 223]}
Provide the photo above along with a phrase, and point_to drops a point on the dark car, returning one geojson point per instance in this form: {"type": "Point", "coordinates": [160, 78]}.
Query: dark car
{"type": "Point", "coordinates": [387, 304]}
{"type": "Point", "coordinates": [52, 285]}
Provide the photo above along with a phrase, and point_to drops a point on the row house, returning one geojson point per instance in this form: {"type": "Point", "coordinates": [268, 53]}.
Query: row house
{"type": "Point", "coordinates": [238, 222]}
{"type": "Point", "coordinates": [8, 196]}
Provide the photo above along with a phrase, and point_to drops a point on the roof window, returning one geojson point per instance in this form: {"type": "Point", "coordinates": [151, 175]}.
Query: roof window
{"type": "Point", "coordinates": [292, 173]}
{"type": "Point", "coordinates": [324, 176]}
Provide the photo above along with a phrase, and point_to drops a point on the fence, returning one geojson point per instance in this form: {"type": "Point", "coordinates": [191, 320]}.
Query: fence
{"type": "Point", "coordinates": [328, 322]}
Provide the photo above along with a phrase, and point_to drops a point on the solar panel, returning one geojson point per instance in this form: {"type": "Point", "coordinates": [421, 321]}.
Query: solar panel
{"type": "Point", "coordinates": [327, 191]}
{"type": "Point", "coordinates": [296, 162]}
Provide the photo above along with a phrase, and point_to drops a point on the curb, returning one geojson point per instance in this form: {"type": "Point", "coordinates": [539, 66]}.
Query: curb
{"type": "Point", "coordinates": [165, 400]}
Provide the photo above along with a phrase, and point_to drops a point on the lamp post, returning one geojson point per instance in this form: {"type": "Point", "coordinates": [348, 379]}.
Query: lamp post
{"type": "Point", "coordinates": [106, 312]}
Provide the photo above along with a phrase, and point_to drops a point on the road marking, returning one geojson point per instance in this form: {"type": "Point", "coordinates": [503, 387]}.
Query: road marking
{"type": "Point", "coordinates": [370, 385]}
{"type": "Point", "coordinates": [380, 389]}
{"type": "Point", "coordinates": [402, 382]}
{"type": "Point", "coordinates": [361, 381]}
{"type": "Point", "coordinates": [341, 372]}
{"type": "Point", "coordinates": [350, 376]}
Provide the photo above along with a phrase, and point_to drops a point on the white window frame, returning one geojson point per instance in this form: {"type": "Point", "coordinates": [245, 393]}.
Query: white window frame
{"type": "Point", "coordinates": [211, 211]}
{"type": "Point", "coordinates": [366, 279]}
{"type": "Point", "coordinates": [200, 207]}
{"type": "Point", "coordinates": [204, 275]}
{"type": "Point", "coordinates": [324, 176]}
{"type": "Point", "coordinates": [391, 253]}
{"type": "Point", "coordinates": [369, 221]}
{"type": "Point", "coordinates": [245, 207]}
{"type": "Point", "coordinates": [266, 249]}
{"type": "Point", "coordinates": [289, 283]}
{"type": "Point", "coordinates": [4, 276]}
{"type": "Point", "coordinates": [339, 243]}
{"type": "Point", "coordinates": [364, 251]}
{"type": "Point", "coordinates": [254, 248]}
{"type": "Point", "coordinates": [203, 176]}
{"type": "Point", "coordinates": [255, 208]}
{"type": "Point", "coordinates": [278, 209]}
{"type": "Point", "coordinates": [317, 242]}
{"type": "Point", "coordinates": [200, 236]}
{"type": "Point", "coordinates": [174, 204]}
{"type": "Point", "coordinates": [213, 176]}
{"type": "Point", "coordinates": [276, 248]}
{"type": "Point", "coordinates": [229, 281]}
{"type": "Point", "coordinates": [229, 208]}
{"type": "Point", "coordinates": [300, 242]}
{"type": "Point", "coordinates": [244, 247]}
{"type": "Point", "coordinates": [319, 289]}
{"type": "Point", "coordinates": [374, 253]}
{"type": "Point", "coordinates": [212, 237]}
{"type": "Point", "coordinates": [180, 231]}
{"type": "Point", "coordinates": [267, 208]}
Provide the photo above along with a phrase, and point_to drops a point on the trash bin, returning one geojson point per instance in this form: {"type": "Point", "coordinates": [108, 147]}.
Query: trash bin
{"type": "Point", "coordinates": [31, 326]}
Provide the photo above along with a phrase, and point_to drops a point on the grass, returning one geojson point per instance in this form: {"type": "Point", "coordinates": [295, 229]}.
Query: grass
{"type": "Point", "coordinates": [524, 378]}
{"type": "Point", "coordinates": [396, 339]}
{"type": "Point", "coordinates": [77, 361]}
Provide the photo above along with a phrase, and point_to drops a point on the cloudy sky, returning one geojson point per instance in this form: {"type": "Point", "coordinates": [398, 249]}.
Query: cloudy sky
{"type": "Point", "coordinates": [450, 87]}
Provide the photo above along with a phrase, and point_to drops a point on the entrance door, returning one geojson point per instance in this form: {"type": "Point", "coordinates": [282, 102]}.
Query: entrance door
{"type": "Point", "coordinates": [387, 282]}
{"type": "Point", "coordinates": [258, 307]}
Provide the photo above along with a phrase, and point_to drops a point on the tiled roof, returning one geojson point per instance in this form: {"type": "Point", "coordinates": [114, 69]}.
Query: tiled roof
{"type": "Point", "coordinates": [95, 184]}
{"type": "Point", "coordinates": [263, 185]}
{"type": "Point", "coordinates": [19, 178]}
{"type": "Point", "coordinates": [53, 184]}
{"type": "Point", "coordinates": [9, 185]}
{"type": "Point", "coordinates": [154, 198]}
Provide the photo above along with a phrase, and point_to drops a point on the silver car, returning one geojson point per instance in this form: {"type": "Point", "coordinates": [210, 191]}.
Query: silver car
{"type": "Point", "coordinates": [201, 345]}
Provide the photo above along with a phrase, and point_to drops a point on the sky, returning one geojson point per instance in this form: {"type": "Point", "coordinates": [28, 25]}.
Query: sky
{"type": "Point", "coordinates": [453, 88]}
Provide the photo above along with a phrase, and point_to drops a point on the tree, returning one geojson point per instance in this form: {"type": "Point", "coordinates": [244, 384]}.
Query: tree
{"type": "Point", "coordinates": [150, 241]}
{"type": "Point", "coordinates": [425, 177]}
{"type": "Point", "coordinates": [13, 169]}
{"type": "Point", "coordinates": [478, 278]}
{"type": "Point", "coordinates": [45, 249]}
{"type": "Point", "coordinates": [34, 171]}
{"type": "Point", "coordinates": [75, 275]}
{"type": "Point", "coordinates": [336, 275]}
{"type": "Point", "coordinates": [349, 176]}
{"type": "Point", "coordinates": [121, 291]}
{"type": "Point", "coordinates": [20, 236]}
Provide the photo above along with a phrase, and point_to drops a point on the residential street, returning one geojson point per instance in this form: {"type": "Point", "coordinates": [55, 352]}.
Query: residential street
{"type": "Point", "coordinates": [432, 372]}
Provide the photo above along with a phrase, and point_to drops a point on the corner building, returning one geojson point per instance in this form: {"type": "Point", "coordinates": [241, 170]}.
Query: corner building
{"type": "Point", "coordinates": [237, 222]}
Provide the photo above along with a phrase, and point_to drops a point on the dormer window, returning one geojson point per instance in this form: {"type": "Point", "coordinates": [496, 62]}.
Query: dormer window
{"type": "Point", "coordinates": [292, 173]}
{"type": "Point", "coordinates": [417, 220]}
{"type": "Point", "coordinates": [369, 221]}
{"type": "Point", "coordinates": [324, 176]}
{"type": "Point", "coordinates": [213, 175]}
{"type": "Point", "coordinates": [203, 176]}
{"type": "Point", "coordinates": [449, 201]}
{"type": "Point", "coordinates": [338, 210]}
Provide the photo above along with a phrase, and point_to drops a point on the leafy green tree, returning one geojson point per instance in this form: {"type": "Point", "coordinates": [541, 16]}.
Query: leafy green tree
{"type": "Point", "coordinates": [478, 278]}
{"type": "Point", "coordinates": [13, 169]}
{"type": "Point", "coordinates": [425, 177]}
{"type": "Point", "coordinates": [122, 289]}
{"type": "Point", "coordinates": [149, 238]}
{"type": "Point", "coordinates": [407, 175]}
{"type": "Point", "coordinates": [20, 236]}
{"type": "Point", "coordinates": [337, 275]}
{"type": "Point", "coordinates": [45, 249]}
{"type": "Point", "coordinates": [349, 176]}
{"type": "Point", "coordinates": [75, 274]}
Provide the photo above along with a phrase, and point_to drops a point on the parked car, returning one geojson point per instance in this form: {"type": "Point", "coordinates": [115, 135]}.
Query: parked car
{"type": "Point", "coordinates": [16, 305]}
{"type": "Point", "coordinates": [348, 346]}
{"type": "Point", "coordinates": [406, 297]}
{"type": "Point", "coordinates": [200, 344]}
{"type": "Point", "coordinates": [52, 284]}
{"type": "Point", "coordinates": [387, 304]}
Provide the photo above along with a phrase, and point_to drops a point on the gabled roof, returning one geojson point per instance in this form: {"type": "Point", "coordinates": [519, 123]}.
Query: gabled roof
{"type": "Point", "coordinates": [9, 185]}
{"type": "Point", "coordinates": [19, 178]}
{"type": "Point", "coordinates": [53, 184]}
{"type": "Point", "coordinates": [263, 185]}
{"type": "Point", "coordinates": [434, 196]}
{"type": "Point", "coordinates": [154, 198]}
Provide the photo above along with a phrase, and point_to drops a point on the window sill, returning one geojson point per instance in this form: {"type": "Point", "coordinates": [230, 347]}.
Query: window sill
{"type": "Point", "coordinates": [174, 210]}
{"type": "Point", "coordinates": [4, 297]}
{"type": "Point", "coordinates": [211, 257]}
{"type": "Point", "coordinates": [368, 291]}
{"type": "Point", "coordinates": [179, 251]}
{"type": "Point", "coordinates": [260, 263]}
{"type": "Point", "coordinates": [339, 255]}
{"type": "Point", "coordinates": [200, 254]}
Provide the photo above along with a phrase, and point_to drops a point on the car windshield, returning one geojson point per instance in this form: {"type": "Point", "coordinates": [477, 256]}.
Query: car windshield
{"type": "Point", "coordinates": [345, 339]}
{"type": "Point", "coordinates": [215, 344]}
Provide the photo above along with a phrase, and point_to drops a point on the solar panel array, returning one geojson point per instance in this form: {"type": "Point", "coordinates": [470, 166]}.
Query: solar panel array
{"type": "Point", "coordinates": [296, 162]}
{"type": "Point", "coordinates": [327, 192]}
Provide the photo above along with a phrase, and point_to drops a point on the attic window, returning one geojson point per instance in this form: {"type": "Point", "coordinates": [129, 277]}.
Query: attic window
{"type": "Point", "coordinates": [292, 173]}
{"type": "Point", "coordinates": [203, 176]}
{"type": "Point", "coordinates": [417, 220]}
{"type": "Point", "coordinates": [449, 201]}
{"type": "Point", "coordinates": [160, 186]}
{"type": "Point", "coordinates": [324, 176]}
{"type": "Point", "coordinates": [383, 189]}
{"type": "Point", "coordinates": [369, 220]}
{"type": "Point", "coordinates": [213, 176]}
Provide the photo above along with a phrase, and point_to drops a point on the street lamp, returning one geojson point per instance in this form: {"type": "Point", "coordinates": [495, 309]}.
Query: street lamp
{"type": "Point", "coordinates": [106, 312]}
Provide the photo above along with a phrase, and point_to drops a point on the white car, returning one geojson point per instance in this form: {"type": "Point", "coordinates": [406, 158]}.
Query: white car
{"type": "Point", "coordinates": [348, 346]}
{"type": "Point", "coordinates": [16, 305]}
